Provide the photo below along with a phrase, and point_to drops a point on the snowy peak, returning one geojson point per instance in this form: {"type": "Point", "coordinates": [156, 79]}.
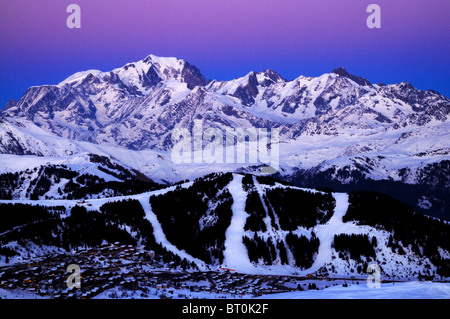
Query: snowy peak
{"type": "Point", "coordinates": [268, 77]}
{"type": "Point", "coordinates": [153, 70]}
{"type": "Point", "coordinates": [343, 72]}
{"type": "Point", "coordinates": [248, 87]}
{"type": "Point", "coordinates": [80, 76]}
{"type": "Point", "coordinates": [143, 74]}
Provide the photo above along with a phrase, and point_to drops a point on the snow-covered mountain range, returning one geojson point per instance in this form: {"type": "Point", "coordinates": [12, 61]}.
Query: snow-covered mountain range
{"type": "Point", "coordinates": [336, 130]}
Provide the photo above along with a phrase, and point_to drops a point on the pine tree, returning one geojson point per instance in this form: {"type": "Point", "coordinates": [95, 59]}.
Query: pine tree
{"type": "Point", "coordinates": [374, 241]}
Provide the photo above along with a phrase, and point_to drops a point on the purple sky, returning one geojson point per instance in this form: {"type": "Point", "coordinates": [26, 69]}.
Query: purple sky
{"type": "Point", "coordinates": [226, 39]}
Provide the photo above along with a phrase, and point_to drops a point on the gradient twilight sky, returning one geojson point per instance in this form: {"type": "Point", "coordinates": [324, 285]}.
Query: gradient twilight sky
{"type": "Point", "coordinates": [226, 39]}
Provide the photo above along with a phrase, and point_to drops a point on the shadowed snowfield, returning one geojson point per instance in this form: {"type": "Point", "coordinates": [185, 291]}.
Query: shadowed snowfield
{"type": "Point", "coordinates": [406, 290]}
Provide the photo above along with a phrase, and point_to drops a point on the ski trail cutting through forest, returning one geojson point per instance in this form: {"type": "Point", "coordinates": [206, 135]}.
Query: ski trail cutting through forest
{"type": "Point", "coordinates": [235, 253]}
{"type": "Point", "coordinates": [326, 232]}
{"type": "Point", "coordinates": [160, 237]}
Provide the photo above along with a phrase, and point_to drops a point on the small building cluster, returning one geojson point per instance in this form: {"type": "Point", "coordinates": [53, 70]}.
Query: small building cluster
{"type": "Point", "coordinates": [133, 269]}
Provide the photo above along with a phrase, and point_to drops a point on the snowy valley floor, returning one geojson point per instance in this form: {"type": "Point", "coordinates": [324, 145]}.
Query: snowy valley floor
{"type": "Point", "coordinates": [403, 290]}
{"type": "Point", "coordinates": [399, 290]}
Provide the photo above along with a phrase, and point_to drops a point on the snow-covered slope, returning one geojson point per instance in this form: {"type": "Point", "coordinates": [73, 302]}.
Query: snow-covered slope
{"type": "Point", "coordinates": [263, 211]}
{"type": "Point", "coordinates": [408, 290]}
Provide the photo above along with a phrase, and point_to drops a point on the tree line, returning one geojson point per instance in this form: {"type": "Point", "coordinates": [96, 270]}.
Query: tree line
{"type": "Point", "coordinates": [196, 218]}
{"type": "Point", "coordinates": [296, 207]}
{"type": "Point", "coordinates": [422, 234]}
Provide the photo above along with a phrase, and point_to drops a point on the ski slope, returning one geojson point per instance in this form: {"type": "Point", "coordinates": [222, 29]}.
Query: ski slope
{"type": "Point", "coordinates": [235, 253]}
{"type": "Point", "coordinates": [326, 232]}
{"type": "Point", "coordinates": [160, 237]}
